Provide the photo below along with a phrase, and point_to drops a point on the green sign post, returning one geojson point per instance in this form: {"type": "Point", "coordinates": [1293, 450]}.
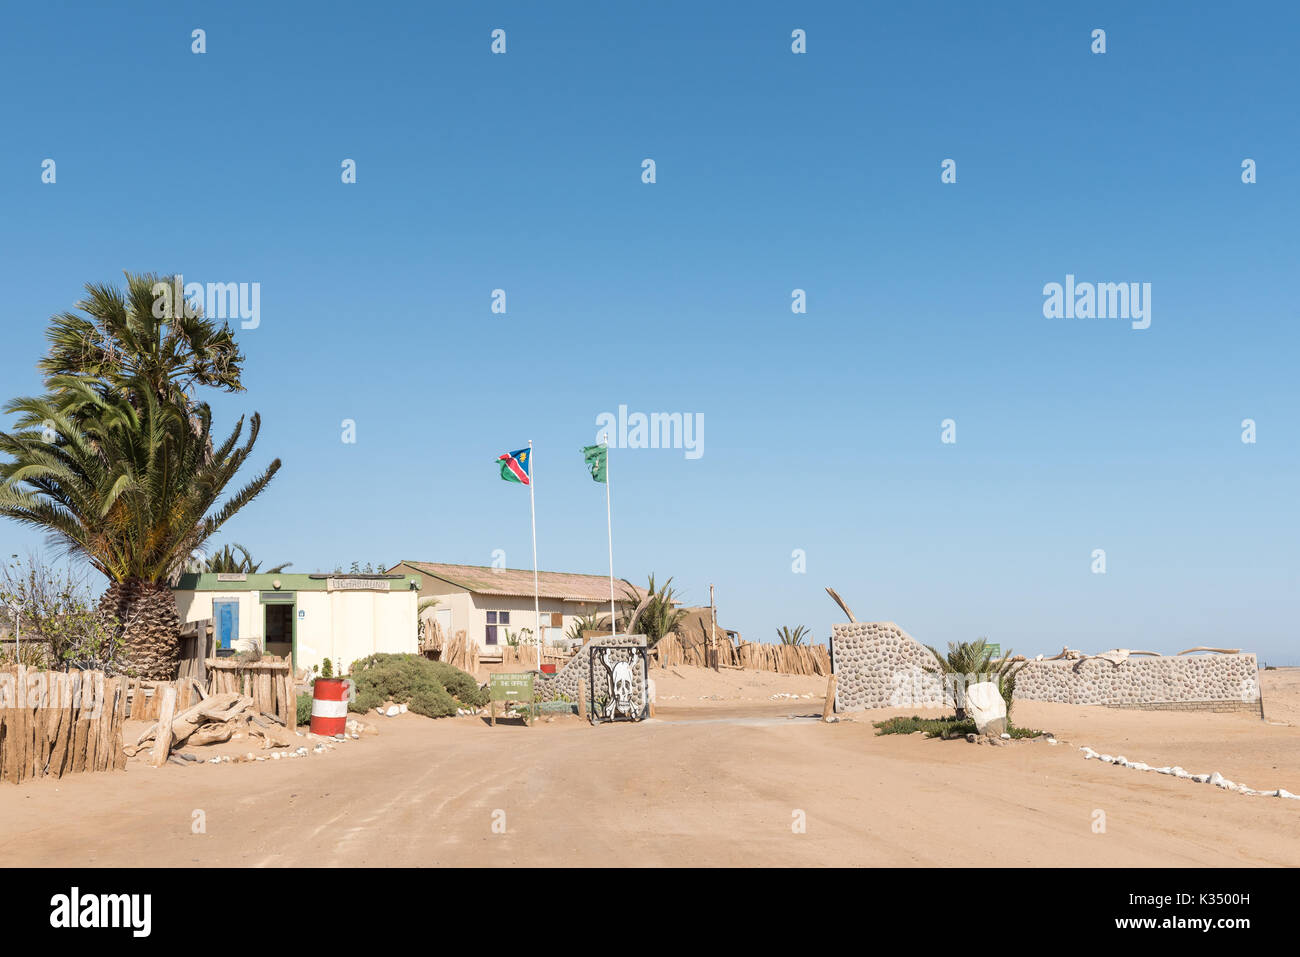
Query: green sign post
{"type": "Point", "coordinates": [511, 687]}
{"type": "Point", "coordinates": [995, 650]}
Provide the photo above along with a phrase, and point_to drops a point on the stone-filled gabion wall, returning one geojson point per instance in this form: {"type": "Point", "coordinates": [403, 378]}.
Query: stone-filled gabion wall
{"type": "Point", "coordinates": [1142, 680]}
{"type": "Point", "coordinates": [879, 665]}
{"type": "Point", "coordinates": [566, 681]}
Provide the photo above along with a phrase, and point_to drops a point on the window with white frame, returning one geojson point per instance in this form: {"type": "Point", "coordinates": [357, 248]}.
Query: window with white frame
{"type": "Point", "coordinates": [497, 619]}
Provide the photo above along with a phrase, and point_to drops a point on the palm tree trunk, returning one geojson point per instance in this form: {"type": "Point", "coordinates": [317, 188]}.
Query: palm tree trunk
{"type": "Point", "coordinates": [149, 624]}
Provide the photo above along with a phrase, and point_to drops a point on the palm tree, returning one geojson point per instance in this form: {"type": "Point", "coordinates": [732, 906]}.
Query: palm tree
{"type": "Point", "coordinates": [581, 624]}
{"type": "Point", "coordinates": [798, 636]}
{"type": "Point", "coordinates": [140, 341]}
{"type": "Point", "coordinates": [131, 483]}
{"type": "Point", "coordinates": [655, 615]}
{"type": "Point", "coordinates": [227, 562]}
{"type": "Point", "coordinates": [966, 663]}
{"type": "Point", "coordinates": [972, 661]}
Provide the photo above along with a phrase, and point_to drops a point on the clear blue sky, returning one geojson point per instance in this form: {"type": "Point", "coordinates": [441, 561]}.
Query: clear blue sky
{"type": "Point", "coordinates": [775, 171]}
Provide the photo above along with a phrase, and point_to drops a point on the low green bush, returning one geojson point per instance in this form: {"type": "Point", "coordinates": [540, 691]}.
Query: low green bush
{"type": "Point", "coordinates": [304, 709]}
{"type": "Point", "coordinates": [431, 688]}
{"type": "Point", "coordinates": [459, 684]}
{"type": "Point", "coordinates": [948, 727]}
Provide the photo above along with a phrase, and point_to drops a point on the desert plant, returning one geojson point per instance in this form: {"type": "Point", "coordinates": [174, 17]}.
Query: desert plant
{"type": "Point", "coordinates": [117, 462]}
{"type": "Point", "coordinates": [326, 668]}
{"type": "Point", "coordinates": [796, 636]}
{"type": "Point", "coordinates": [579, 625]}
{"type": "Point", "coordinates": [140, 341]}
{"type": "Point", "coordinates": [131, 491]}
{"type": "Point", "coordinates": [655, 615]}
{"type": "Point", "coordinates": [54, 614]}
{"type": "Point", "coordinates": [426, 687]}
{"type": "Point", "coordinates": [965, 663]}
{"type": "Point", "coordinates": [942, 727]}
{"type": "Point", "coordinates": [227, 562]}
{"type": "Point", "coordinates": [304, 709]}
{"type": "Point", "coordinates": [1003, 673]}
{"type": "Point", "coordinates": [969, 662]}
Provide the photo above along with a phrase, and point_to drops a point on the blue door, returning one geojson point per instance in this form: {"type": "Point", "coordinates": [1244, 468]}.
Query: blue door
{"type": "Point", "coordinates": [226, 614]}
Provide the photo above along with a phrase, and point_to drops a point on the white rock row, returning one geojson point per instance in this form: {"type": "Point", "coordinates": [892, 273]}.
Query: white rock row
{"type": "Point", "coordinates": [1215, 778]}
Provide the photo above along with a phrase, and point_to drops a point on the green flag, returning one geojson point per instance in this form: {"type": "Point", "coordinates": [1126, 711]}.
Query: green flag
{"type": "Point", "coordinates": [595, 457]}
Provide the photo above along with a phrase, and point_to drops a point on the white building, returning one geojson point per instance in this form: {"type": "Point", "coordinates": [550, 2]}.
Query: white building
{"type": "Point", "coordinates": [487, 603]}
{"type": "Point", "coordinates": [306, 618]}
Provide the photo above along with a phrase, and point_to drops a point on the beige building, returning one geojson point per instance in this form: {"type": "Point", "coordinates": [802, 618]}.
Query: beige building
{"type": "Point", "coordinates": [488, 604]}
{"type": "Point", "coordinates": [306, 618]}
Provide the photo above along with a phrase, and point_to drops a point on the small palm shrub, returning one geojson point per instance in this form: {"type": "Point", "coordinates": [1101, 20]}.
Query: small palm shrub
{"type": "Point", "coordinates": [655, 616]}
{"type": "Point", "coordinates": [969, 662]}
{"type": "Point", "coordinates": [796, 636]}
{"type": "Point", "coordinates": [579, 625]}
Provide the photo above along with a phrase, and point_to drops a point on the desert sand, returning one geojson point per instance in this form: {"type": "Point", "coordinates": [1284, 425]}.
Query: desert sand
{"type": "Point", "coordinates": [719, 777]}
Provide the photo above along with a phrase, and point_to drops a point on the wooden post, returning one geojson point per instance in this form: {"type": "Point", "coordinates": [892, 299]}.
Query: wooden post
{"type": "Point", "coordinates": [582, 698]}
{"type": "Point", "coordinates": [63, 736]}
{"type": "Point", "coordinates": [830, 699]}
{"type": "Point", "coordinates": [81, 725]}
{"type": "Point", "coordinates": [162, 742]}
{"type": "Point", "coordinates": [291, 703]}
{"type": "Point", "coordinates": [713, 628]}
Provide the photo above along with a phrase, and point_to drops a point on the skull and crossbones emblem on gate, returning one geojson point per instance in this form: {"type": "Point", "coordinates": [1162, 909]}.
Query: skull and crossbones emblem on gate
{"type": "Point", "coordinates": [622, 677]}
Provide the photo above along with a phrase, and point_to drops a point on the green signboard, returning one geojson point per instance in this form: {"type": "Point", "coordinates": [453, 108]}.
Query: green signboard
{"type": "Point", "coordinates": [511, 687]}
{"type": "Point", "coordinates": [995, 650]}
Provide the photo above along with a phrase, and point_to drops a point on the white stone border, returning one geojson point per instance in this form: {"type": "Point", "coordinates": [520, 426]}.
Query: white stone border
{"type": "Point", "coordinates": [1217, 779]}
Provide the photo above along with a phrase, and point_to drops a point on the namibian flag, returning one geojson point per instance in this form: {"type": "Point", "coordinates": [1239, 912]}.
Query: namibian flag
{"type": "Point", "coordinates": [515, 466]}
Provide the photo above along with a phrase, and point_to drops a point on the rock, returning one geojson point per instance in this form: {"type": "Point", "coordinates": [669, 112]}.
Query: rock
{"type": "Point", "coordinates": [1219, 781]}
{"type": "Point", "coordinates": [1004, 736]}
{"type": "Point", "coordinates": [986, 708]}
{"type": "Point", "coordinates": [393, 711]}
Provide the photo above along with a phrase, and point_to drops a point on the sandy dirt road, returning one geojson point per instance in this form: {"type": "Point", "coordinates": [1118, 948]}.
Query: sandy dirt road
{"type": "Point", "coordinates": [711, 782]}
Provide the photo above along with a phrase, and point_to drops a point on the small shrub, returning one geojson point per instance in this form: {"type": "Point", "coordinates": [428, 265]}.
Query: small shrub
{"type": "Point", "coordinates": [460, 684]}
{"type": "Point", "coordinates": [304, 709]}
{"type": "Point", "coordinates": [327, 669]}
{"type": "Point", "coordinates": [947, 727]}
{"type": "Point", "coordinates": [431, 688]}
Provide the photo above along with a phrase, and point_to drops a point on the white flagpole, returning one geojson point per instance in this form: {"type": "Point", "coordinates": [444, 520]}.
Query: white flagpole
{"type": "Point", "coordinates": [609, 525]}
{"type": "Point", "coordinates": [532, 504]}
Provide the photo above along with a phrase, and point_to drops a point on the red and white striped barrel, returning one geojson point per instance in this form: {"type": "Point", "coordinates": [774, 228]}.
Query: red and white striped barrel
{"type": "Point", "coordinates": [329, 706]}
